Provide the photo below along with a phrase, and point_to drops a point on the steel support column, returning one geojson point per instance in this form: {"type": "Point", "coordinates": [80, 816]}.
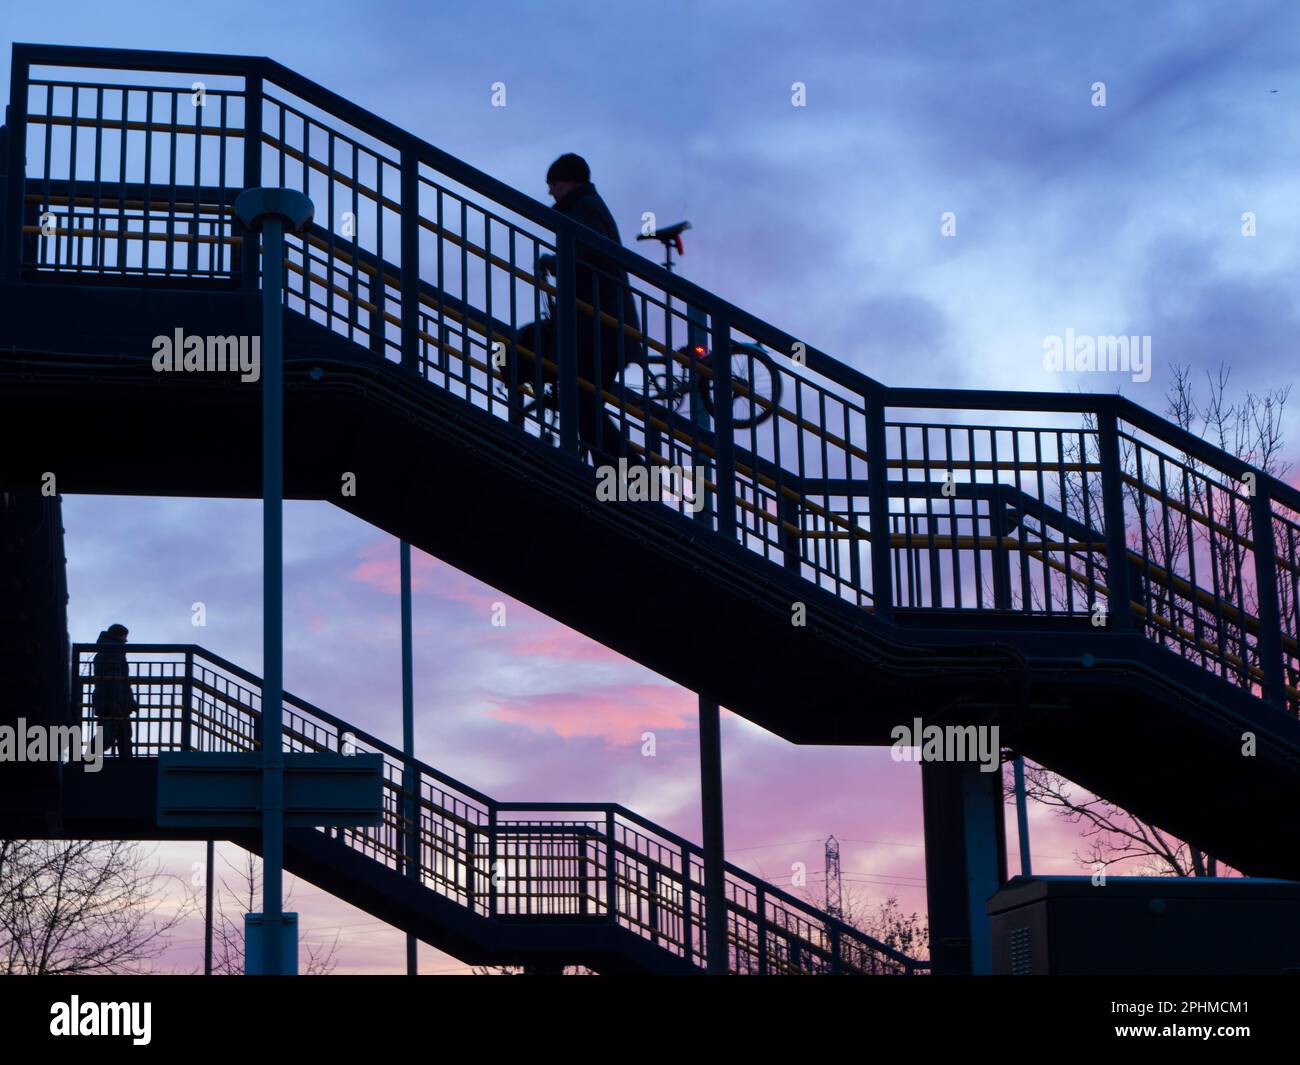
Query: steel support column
{"type": "Point", "coordinates": [269, 211]}
{"type": "Point", "coordinates": [1022, 817]}
{"type": "Point", "coordinates": [720, 508]}
{"type": "Point", "coordinates": [272, 592]}
{"type": "Point", "coordinates": [965, 862]}
{"type": "Point", "coordinates": [715, 898]}
{"type": "Point", "coordinates": [207, 912]}
{"type": "Point", "coordinates": [410, 777]}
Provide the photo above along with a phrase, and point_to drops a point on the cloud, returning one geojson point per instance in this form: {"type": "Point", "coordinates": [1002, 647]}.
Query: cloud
{"type": "Point", "coordinates": [618, 715]}
{"type": "Point", "coordinates": [562, 643]}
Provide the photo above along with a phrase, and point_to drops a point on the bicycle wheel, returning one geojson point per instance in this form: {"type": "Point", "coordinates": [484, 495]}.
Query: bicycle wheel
{"type": "Point", "coordinates": [755, 386]}
{"type": "Point", "coordinates": [653, 381]}
{"type": "Point", "coordinates": [544, 415]}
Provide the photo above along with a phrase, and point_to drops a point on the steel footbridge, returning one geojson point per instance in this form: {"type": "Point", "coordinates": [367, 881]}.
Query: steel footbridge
{"type": "Point", "coordinates": [1117, 596]}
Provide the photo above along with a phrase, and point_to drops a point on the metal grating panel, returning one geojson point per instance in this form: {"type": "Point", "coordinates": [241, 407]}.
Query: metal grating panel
{"type": "Point", "coordinates": [1022, 958]}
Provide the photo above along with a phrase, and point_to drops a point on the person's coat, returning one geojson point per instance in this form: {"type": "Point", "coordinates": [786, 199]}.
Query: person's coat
{"type": "Point", "coordinates": [601, 275]}
{"type": "Point", "coordinates": [113, 697]}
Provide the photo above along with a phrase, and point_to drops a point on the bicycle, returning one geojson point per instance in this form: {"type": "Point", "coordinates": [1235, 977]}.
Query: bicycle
{"type": "Point", "coordinates": [670, 380]}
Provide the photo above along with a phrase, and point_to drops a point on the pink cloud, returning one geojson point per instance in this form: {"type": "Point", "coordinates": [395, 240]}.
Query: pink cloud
{"type": "Point", "coordinates": [528, 632]}
{"type": "Point", "coordinates": [380, 568]}
{"type": "Point", "coordinates": [564, 643]}
{"type": "Point", "coordinates": [617, 715]}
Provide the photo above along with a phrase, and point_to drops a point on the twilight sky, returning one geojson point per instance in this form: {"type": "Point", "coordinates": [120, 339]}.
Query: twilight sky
{"type": "Point", "coordinates": [825, 220]}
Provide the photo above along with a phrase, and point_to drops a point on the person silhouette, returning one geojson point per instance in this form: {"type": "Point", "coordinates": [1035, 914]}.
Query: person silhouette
{"type": "Point", "coordinates": [114, 701]}
{"type": "Point", "coordinates": [603, 347]}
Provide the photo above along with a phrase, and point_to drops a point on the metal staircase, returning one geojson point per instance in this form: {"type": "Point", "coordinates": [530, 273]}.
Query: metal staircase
{"type": "Point", "coordinates": [491, 882]}
{"type": "Point", "coordinates": [1071, 568]}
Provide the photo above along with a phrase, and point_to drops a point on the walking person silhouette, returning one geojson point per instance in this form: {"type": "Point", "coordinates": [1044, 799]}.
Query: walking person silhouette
{"type": "Point", "coordinates": [114, 701]}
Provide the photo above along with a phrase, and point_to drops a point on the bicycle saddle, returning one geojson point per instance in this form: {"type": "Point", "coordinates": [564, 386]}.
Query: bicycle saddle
{"type": "Point", "coordinates": [668, 235]}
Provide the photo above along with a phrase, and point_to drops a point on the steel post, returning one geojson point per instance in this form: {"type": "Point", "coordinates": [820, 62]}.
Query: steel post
{"type": "Point", "coordinates": [1022, 816]}
{"type": "Point", "coordinates": [268, 211]}
{"type": "Point", "coordinates": [715, 897]}
{"type": "Point", "coordinates": [411, 777]}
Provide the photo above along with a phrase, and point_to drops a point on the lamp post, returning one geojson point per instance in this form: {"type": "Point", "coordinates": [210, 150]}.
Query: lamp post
{"type": "Point", "coordinates": [271, 212]}
{"type": "Point", "coordinates": [410, 786]}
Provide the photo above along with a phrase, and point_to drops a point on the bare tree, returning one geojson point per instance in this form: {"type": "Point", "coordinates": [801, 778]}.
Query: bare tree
{"type": "Point", "coordinates": [908, 933]}
{"type": "Point", "coordinates": [84, 907]}
{"type": "Point", "coordinates": [239, 895]}
{"type": "Point", "coordinates": [1114, 836]}
{"type": "Point", "coordinates": [1203, 533]}
{"type": "Point", "coordinates": [1209, 525]}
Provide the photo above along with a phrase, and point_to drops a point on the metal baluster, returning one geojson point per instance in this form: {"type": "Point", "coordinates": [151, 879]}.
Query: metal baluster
{"type": "Point", "coordinates": [652, 886]}
{"type": "Point", "coordinates": [172, 138]}
{"type": "Point", "coordinates": [1112, 489]}
{"type": "Point", "coordinates": [611, 885]}
{"type": "Point", "coordinates": [187, 695]}
{"type": "Point", "coordinates": [878, 503]}
{"type": "Point", "coordinates": [723, 430]}
{"type": "Point", "coordinates": [15, 167]}
{"type": "Point", "coordinates": [494, 873]}
{"type": "Point", "coordinates": [566, 338]}
{"type": "Point", "coordinates": [197, 216]}
{"type": "Point", "coordinates": [248, 256]}
{"type": "Point", "coordinates": [688, 933]}
{"type": "Point", "coordinates": [1269, 646]}
{"type": "Point", "coordinates": [410, 252]}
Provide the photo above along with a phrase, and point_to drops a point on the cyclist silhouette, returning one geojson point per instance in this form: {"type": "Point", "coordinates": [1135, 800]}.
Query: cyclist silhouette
{"type": "Point", "coordinates": [603, 349]}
